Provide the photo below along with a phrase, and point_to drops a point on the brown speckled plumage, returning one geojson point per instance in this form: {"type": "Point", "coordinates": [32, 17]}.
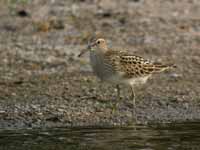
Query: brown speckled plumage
{"type": "Point", "coordinates": [132, 66]}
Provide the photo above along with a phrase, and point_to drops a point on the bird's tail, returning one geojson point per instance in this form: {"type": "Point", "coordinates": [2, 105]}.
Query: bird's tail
{"type": "Point", "coordinates": [160, 67]}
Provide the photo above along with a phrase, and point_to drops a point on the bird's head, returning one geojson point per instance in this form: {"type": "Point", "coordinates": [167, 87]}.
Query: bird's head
{"type": "Point", "coordinates": [97, 45]}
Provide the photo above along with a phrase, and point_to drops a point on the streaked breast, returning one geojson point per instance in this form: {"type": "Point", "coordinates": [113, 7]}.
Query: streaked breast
{"type": "Point", "coordinates": [100, 67]}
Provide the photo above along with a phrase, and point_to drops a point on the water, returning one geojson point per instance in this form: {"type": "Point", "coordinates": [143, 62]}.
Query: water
{"type": "Point", "coordinates": [180, 136]}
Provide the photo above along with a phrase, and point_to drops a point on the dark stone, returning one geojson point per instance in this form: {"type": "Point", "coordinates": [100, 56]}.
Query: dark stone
{"type": "Point", "coordinates": [23, 13]}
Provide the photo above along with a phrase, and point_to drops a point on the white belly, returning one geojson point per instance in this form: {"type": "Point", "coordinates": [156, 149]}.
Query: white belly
{"type": "Point", "coordinates": [137, 81]}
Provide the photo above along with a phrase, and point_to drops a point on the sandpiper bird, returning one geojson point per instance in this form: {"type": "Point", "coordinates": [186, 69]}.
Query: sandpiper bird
{"type": "Point", "coordinates": [119, 67]}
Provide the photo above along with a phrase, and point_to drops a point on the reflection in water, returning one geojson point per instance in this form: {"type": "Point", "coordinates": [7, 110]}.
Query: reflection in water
{"type": "Point", "coordinates": [184, 136]}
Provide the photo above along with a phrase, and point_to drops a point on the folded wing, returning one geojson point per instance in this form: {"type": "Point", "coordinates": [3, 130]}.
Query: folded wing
{"type": "Point", "coordinates": [132, 66]}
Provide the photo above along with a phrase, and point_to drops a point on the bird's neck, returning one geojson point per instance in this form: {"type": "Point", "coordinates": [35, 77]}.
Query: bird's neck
{"type": "Point", "coordinates": [102, 50]}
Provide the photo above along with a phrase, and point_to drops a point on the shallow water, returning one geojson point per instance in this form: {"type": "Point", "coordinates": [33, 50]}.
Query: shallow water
{"type": "Point", "coordinates": [183, 136]}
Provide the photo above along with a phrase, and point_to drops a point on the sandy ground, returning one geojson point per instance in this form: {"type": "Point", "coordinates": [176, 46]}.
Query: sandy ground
{"type": "Point", "coordinates": [44, 84]}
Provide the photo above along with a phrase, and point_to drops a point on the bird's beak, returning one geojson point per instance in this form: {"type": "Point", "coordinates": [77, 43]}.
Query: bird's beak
{"type": "Point", "coordinates": [86, 49]}
{"type": "Point", "coordinates": [83, 52]}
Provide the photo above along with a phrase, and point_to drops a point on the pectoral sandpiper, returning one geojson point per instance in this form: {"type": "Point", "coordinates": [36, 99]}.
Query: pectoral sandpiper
{"type": "Point", "coordinates": [119, 67]}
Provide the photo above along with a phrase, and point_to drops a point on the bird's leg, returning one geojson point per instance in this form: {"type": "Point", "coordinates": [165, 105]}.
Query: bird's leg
{"type": "Point", "coordinates": [118, 90]}
{"type": "Point", "coordinates": [134, 105]}
{"type": "Point", "coordinates": [118, 97]}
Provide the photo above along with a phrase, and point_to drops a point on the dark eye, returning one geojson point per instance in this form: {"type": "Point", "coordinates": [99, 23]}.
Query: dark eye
{"type": "Point", "coordinates": [98, 42]}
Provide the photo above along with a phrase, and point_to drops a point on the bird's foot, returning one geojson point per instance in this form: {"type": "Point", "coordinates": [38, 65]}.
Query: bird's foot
{"type": "Point", "coordinates": [115, 106]}
{"type": "Point", "coordinates": [135, 119]}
